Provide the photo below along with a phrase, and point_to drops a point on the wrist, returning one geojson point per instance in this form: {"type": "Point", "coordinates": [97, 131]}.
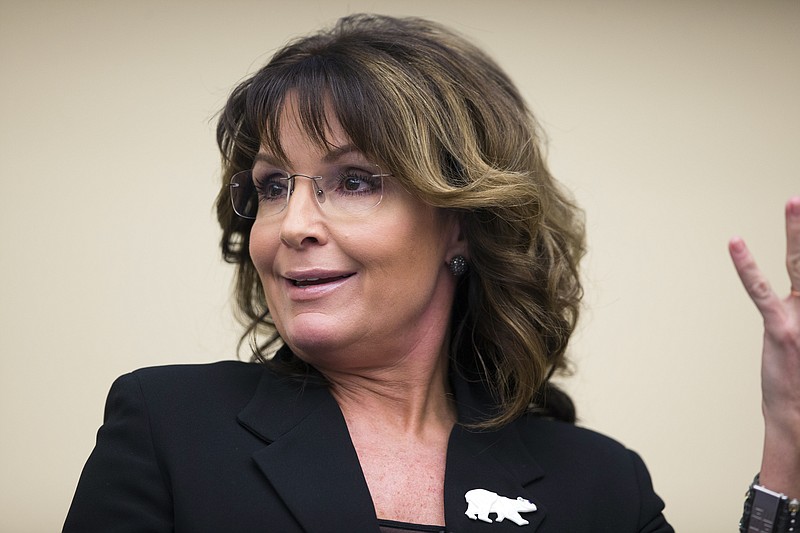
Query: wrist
{"type": "Point", "coordinates": [780, 462]}
{"type": "Point", "coordinates": [767, 511]}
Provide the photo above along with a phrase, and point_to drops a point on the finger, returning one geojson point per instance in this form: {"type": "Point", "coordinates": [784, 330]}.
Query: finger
{"type": "Point", "coordinates": [754, 282]}
{"type": "Point", "coordinates": [793, 241]}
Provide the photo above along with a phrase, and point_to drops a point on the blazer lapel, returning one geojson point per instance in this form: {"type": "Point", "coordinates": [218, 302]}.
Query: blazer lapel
{"type": "Point", "coordinates": [495, 461]}
{"type": "Point", "coordinates": [498, 461]}
{"type": "Point", "coordinates": [310, 459]}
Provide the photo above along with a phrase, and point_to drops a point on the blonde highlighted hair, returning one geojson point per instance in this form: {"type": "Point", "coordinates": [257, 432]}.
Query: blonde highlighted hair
{"type": "Point", "coordinates": [446, 121]}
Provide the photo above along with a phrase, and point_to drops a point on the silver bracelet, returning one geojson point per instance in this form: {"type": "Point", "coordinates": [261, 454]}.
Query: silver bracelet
{"type": "Point", "coordinates": [767, 511]}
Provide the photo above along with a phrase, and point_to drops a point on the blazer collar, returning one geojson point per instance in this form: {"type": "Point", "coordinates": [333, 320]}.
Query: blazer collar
{"type": "Point", "coordinates": [310, 460]}
{"type": "Point", "coordinates": [312, 463]}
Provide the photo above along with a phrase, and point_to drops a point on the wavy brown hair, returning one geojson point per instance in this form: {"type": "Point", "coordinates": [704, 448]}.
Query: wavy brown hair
{"type": "Point", "coordinates": [447, 122]}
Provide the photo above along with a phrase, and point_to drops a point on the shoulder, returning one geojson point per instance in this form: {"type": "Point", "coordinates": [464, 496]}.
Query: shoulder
{"type": "Point", "coordinates": [185, 389]}
{"type": "Point", "coordinates": [601, 461]}
{"type": "Point", "coordinates": [182, 407]}
{"type": "Point", "coordinates": [552, 436]}
{"type": "Point", "coordinates": [219, 375]}
{"type": "Point", "coordinates": [554, 442]}
{"type": "Point", "coordinates": [580, 464]}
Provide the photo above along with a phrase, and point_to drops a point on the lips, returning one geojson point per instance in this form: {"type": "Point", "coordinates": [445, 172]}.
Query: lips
{"type": "Point", "coordinates": [310, 282]}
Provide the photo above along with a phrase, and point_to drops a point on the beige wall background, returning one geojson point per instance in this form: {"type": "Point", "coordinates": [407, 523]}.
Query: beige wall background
{"type": "Point", "coordinates": [676, 124]}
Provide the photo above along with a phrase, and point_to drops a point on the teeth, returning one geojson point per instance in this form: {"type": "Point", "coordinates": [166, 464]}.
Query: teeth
{"type": "Point", "coordinates": [313, 281]}
{"type": "Point", "coordinates": [306, 282]}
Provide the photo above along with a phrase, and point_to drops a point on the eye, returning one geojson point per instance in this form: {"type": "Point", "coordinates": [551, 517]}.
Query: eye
{"type": "Point", "coordinates": [358, 181]}
{"type": "Point", "coordinates": [271, 186]}
{"type": "Point", "coordinates": [352, 184]}
{"type": "Point", "coordinates": [274, 190]}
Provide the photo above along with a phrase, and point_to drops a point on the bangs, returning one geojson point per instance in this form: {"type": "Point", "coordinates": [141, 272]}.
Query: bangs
{"type": "Point", "coordinates": [320, 86]}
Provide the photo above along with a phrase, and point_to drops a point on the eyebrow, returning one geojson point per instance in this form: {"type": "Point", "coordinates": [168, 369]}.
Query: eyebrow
{"type": "Point", "coordinates": [331, 156]}
{"type": "Point", "coordinates": [339, 151]}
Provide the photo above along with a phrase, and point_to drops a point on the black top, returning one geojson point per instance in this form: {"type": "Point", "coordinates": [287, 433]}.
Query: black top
{"type": "Point", "coordinates": [391, 526]}
{"type": "Point", "coordinates": [232, 446]}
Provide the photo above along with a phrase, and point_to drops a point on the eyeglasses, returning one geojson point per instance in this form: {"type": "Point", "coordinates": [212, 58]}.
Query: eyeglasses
{"type": "Point", "coordinates": [341, 189]}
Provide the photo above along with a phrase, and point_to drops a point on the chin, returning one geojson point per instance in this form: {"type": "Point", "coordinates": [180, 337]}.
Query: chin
{"type": "Point", "coordinates": [309, 337]}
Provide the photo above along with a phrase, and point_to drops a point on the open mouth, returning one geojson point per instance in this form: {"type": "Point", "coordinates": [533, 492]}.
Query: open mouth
{"type": "Point", "coordinates": [317, 281]}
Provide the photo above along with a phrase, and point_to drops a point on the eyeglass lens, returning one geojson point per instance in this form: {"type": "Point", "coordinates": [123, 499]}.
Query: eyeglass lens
{"type": "Point", "coordinates": [347, 189]}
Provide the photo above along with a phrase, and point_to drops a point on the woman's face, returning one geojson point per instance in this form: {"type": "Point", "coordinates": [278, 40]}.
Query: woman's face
{"type": "Point", "coordinates": [353, 291]}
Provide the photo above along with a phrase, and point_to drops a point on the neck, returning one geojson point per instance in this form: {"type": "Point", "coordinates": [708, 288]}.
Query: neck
{"type": "Point", "coordinates": [400, 419]}
{"type": "Point", "coordinates": [409, 399]}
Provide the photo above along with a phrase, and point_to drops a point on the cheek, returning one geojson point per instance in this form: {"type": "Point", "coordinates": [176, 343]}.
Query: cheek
{"type": "Point", "coordinates": [263, 247]}
{"type": "Point", "coordinates": [409, 255]}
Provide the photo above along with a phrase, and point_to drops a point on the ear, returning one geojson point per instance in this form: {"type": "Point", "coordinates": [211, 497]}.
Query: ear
{"type": "Point", "coordinates": [456, 240]}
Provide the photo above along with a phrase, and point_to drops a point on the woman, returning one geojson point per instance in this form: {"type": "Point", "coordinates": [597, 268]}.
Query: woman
{"type": "Point", "coordinates": [408, 270]}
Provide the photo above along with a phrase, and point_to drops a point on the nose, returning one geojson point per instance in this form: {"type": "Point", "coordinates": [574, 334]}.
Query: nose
{"type": "Point", "coordinates": [302, 223]}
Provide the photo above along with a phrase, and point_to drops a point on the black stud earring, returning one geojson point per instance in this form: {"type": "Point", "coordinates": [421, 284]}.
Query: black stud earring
{"type": "Point", "coordinates": [458, 265]}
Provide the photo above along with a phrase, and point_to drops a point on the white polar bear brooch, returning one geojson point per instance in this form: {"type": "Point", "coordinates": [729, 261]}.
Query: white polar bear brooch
{"type": "Point", "coordinates": [481, 502]}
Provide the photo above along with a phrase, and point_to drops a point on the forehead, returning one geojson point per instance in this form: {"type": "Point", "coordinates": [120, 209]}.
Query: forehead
{"type": "Point", "coordinates": [300, 138]}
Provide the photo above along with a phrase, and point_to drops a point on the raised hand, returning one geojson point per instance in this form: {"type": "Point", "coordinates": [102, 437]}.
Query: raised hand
{"type": "Point", "coordinates": [780, 363]}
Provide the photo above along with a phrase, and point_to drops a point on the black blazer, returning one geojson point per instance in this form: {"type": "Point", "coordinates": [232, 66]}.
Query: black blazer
{"type": "Point", "coordinates": [232, 446]}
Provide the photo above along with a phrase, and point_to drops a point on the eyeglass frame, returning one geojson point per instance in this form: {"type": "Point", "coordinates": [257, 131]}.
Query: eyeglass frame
{"type": "Point", "coordinates": [318, 191]}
